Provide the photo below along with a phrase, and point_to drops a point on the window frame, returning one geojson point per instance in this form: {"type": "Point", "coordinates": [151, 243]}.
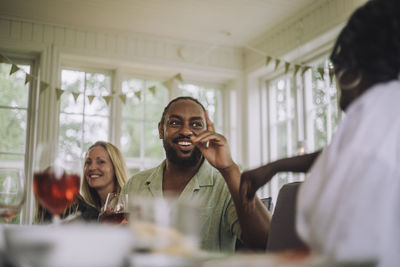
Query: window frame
{"type": "Point", "coordinates": [32, 60]}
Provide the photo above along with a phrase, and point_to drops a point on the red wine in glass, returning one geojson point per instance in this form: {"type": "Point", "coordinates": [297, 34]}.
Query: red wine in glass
{"type": "Point", "coordinates": [55, 189]}
{"type": "Point", "coordinates": [110, 217]}
{"type": "Point", "coordinates": [115, 209]}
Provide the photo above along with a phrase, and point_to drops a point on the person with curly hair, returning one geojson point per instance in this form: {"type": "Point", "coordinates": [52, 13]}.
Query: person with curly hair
{"type": "Point", "coordinates": [348, 207]}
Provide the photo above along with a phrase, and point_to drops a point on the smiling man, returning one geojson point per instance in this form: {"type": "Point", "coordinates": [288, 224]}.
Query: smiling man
{"type": "Point", "coordinates": [199, 165]}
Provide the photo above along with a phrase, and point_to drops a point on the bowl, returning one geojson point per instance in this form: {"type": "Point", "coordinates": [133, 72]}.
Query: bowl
{"type": "Point", "coordinates": [68, 245]}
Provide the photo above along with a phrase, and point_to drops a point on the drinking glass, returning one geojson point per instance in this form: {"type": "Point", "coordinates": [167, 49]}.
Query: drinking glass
{"type": "Point", "coordinates": [115, 209]}
{"type": "Point", "coordinates": [56, 179]}
{"type": "Point", "coordinates": [12, 193]}
{"type": "Point", "coordinates": [165, 225]}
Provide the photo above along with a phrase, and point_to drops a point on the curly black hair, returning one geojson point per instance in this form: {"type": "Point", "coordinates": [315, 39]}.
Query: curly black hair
{"type": "Point", "coordinates": [370, 42]}
{"type": "Point", "coordinates": [176, 100]}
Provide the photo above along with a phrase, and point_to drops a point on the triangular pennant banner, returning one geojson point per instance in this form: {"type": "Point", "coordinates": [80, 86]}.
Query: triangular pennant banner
{"type": "Point", "coordinates": [168, 83]}
{"type": "Point", "coordinates": [179, 77]}
{"type": "Point", "coordinates": [305, 68]}
{"type": "Point", "coordinates": [28, 78]}
{"type": "Point", "coordinates": [3, 59]}
{"type": "Point", "coordinates": [90, 97]}
{"type": "Point", "coordinates": [287, 66]}
{"type": "Point", "coordinates": [59, 92]}
{"type": "Point", "coordinates": [43, 86]}
{"type": "Point", "coordinates": [277, 61]}
{"type": "Point", "coordinates": [268, 60]}
{"type": "Point", "coordinates": [331, 75]}
{"type": "Point", "coordinates": [296, 69]}
{"type": "Point", "coordinates": [321, 72]}
{"type": "Point", "coordinates": [76, 95]}
{"type": "Point", "coordinates": [107, 98]}
{"type": "Point", "coordinates": [152, 90]}
{"type": "Point", "coordinates": [14, 68]}
{"type": "Point", "coordinates": [138, 94]}
{"type": "Point", "coordinates": [123, 98]}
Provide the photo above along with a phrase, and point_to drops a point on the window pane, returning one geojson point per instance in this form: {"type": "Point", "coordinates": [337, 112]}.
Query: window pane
{"type": "Point", "coordinates": [320, 131]}
{"type": "Point", "coordinates": [12, 135]}
{"type": "Point", "coordinates": [96, 128]}
{"type": "Point", "coordinates": [155, 103]}
{"type": "Point", "coordinates": [14, 95]}
{"type": "Point", "coordinates": [134, 106]}
{"type": "Point", "coordinates": [145, 103]}
{"type": "Point", "coordinates": [130, 139]}
{"type": "Point", "coordinates": [70, 134]}
{"type": "Point", "coordinates": [14, 92]}
{"type": "Point", "coordinates": [282, 140]}
{"type": "Point", "coordinates": [72, 81]}
{"type": "Point", "coordinates": [154, 147]}
{"type": "Point", "coordinates": [97, 85]}
{"type": "Point", "coordinates": [7, 159]}
{"type": "Point", "coordinates": [85, 120]}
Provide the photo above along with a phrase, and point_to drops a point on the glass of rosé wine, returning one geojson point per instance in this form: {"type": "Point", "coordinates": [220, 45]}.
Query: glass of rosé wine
{"type": "Point", "coordinates": [115, 210]}
{"type": "Point", "coordinates": [56, 179]}
{"type": "Point", "coordinates": [12, 193]}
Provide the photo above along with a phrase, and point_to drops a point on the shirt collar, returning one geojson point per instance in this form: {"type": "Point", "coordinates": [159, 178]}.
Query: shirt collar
{"type": "Point", "coordinates": [203, 177]}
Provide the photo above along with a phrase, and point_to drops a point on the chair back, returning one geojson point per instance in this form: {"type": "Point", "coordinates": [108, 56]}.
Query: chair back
{"type": "Point", "coordinates": [282, 234]}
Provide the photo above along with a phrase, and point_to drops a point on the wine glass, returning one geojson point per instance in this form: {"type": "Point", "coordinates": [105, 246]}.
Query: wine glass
{"type": "Point", "coordinates": [12, 193]}
{"type": "Point", "coordinates": [56, 179]}
{"type": "Point", "coordinates": [115, 209]}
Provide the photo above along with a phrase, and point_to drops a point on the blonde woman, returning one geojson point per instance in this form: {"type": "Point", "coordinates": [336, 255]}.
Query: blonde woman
{"type": "Point", "coordinates": [104, 172]}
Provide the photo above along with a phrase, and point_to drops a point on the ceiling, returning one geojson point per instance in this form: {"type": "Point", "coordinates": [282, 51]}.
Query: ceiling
{"type": "Point", "coordinates": [222, 22]}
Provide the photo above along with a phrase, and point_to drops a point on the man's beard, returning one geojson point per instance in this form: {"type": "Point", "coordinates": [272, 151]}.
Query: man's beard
{"type": "Point", "coordinates": [173, 157]}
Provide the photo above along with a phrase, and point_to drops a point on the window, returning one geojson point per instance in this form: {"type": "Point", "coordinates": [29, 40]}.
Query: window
{"type": "Point", "coordinates": [282, 129]}
{"type": "Point", "coordinates": [140, 143]}
{"type": "Point", "coordinates": [15, 117]}
{"type": "Point", "coordinates": [322, 110]}
{"type": "Point", "coordinates": [83, 120]}
{"type": "Point", "coordinates": [302, 115]}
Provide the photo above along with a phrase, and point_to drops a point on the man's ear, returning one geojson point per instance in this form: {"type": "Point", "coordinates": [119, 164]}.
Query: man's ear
{"type": "Point", "coordinates": [160, 131]}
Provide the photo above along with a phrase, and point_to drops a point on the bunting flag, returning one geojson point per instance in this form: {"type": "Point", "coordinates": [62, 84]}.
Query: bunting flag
{"type": "Point", "coordinates": [268, 60]}
{"type": "Point", "coordinates": [59, 92]}
{"type": "Point", "coordinates": [179, 77]}
{"type": "Point", "coordinates": [305, 68]}
{"type": "Point", "coordinates": [321, 72]}
{"type": "Point", "coordinates": [296, 69]}
{"type": "Point", "coordinates": [75, 95]}
{"type": "Point", "coordinates": [287, 66]}
{"type": "Point", "coordinates": [123, 98]}
{"type": "Point", "coordinates": [107, 98]}
{"type": "Point", "coordinates": [43, 86]}
{"type": "Point", "coordinates": [28, 78]}
{"type": "Point", "coordinates": [152, 90]}
{"type": "Point", "coordinates": [138, 94]}
{"type": "Point", "coordinates": [277, 61]}
{"type": "Point", "coordinates": [14, 68]}
{"type": "Point", "coordinates": [3, 59]}
{"type": "Point", "coordinates": [90, 98]}
{"type": "Point", "coordinates": [331, 75]}
{"type": "Point", "coordinates": [168, 83]}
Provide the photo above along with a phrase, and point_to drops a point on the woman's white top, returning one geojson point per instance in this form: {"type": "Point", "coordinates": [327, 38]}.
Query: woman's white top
{"type": "Point", "coordinates": [349, 205]}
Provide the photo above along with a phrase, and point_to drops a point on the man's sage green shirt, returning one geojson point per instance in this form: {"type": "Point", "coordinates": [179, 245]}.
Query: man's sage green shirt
{"type": "Point", "coordinates": [219, 222]}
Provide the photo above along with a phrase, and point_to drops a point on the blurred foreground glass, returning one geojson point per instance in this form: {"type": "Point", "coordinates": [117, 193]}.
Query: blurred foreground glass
{"type": "Point", "coordinates": [12, 193]}
{"type": "Point", "coordinates": [56, 179]}
{"type": "Point", "coordinates": [165, 225]}
{"type": "Point", "coordinates": [115, 209]}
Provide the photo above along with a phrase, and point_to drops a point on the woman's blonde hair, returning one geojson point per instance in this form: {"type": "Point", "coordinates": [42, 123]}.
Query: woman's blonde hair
{"type": "Point", "coordinates": [89, 194]}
